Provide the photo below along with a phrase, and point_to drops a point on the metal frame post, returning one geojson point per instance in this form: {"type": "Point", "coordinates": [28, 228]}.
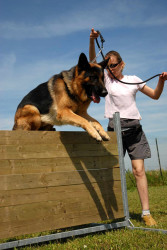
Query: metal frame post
{"type": "Point", "coordinates": [117, 128]}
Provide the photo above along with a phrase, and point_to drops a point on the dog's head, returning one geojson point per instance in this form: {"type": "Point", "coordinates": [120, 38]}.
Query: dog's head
{"type": "Point", "coordinates": [92, 76]}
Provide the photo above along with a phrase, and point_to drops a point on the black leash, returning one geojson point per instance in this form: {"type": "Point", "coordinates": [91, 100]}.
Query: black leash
{"type": "Point", "coordinates": [100, 49]}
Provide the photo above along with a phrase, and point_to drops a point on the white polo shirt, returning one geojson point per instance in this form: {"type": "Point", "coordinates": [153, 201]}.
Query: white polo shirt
{"type": "Point", "coordinates": [122, 97]}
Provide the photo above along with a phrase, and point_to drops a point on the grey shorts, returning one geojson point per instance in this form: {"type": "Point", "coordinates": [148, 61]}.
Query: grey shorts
{"type": "Point", "coordinates": [135, 141]}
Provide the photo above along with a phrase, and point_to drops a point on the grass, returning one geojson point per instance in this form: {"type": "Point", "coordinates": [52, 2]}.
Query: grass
{"type": "Point", "coordinates": [154, 178]}
{"type": "Point", "coordinates": [120, 239]}
{"type": "Point", "coordinates": [125, 238]}
{"type": "Point", "coordinates": [158, 206]}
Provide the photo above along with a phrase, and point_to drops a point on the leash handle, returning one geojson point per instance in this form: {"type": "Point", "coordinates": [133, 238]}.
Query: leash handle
{"type": "Point", "coordinates": [100, 49]}
{"type": "Point", "coordinates": [101, 37]}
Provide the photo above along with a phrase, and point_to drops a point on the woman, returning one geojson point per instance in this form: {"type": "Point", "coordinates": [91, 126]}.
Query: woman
{"type": "Point", "coordinates": [121, 98]}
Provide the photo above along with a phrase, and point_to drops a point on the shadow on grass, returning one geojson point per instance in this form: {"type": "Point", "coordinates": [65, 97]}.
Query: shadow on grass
{"type": "Point", "coordinates": [136, 216]}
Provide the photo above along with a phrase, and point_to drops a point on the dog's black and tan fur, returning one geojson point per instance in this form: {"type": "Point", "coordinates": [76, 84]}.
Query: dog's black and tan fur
{"type": "Point", "coordinates": [64, 99]}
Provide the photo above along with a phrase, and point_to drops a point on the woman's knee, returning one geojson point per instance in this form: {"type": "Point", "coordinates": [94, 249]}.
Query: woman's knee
{"type": "Point", "coordinates": [138, 168]}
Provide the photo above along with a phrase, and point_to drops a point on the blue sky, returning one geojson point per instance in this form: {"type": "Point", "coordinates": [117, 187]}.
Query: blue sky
{"type": "Point", "coordinates": [40, 38]}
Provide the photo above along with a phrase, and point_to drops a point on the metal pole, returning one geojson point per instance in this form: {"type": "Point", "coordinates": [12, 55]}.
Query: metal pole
{"type": "Point", "coordinates": [159, 158]}
{"type": "Point", "coordinates": [117, 129]}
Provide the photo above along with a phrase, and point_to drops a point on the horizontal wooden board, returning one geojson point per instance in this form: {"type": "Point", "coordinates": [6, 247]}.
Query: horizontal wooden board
{"type": "Point", "coordinates": [96, 197]}
{"type": "Point", "coordinates": [48, 165]}
{"type": "Point", "coordinates": [50, 221]}
{"type": "Point", "coordinates": [28, 151]}
{"type": "Point", "coordinates": [26, 196]}
{"type": "Point", "coordinates": [23, 181]}
{"type": "Point", "coordinates": [48, 137]}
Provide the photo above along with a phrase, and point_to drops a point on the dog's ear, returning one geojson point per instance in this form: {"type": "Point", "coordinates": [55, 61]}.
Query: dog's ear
{"type": "Point", "coordinates": [83, 63]}
{"type": "Point", "coordinates": [104, 63]}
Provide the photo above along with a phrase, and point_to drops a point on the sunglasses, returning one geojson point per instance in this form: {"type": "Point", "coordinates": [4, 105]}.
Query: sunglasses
{"type": "Point", "coordinates": [113, 65]}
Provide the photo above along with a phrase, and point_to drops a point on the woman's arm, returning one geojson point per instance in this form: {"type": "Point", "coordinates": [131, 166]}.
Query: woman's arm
{"type": "Point", "coordinates": [92, 52]}
{"type": "Point", "coordinates": [155, 93]}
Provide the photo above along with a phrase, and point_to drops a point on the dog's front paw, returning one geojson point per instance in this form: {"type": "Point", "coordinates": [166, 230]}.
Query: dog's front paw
{"type": "Point", "coordinates": [104, 135]}
{"type": "Point", "coordinates": [101, 131]}
{"type": "Point", "coordinates": [107, 138]}
{"type": "Point", "coordinates": [96, 136]}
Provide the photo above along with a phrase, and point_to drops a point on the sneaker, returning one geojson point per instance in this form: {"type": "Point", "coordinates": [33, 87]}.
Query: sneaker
{"type": "Point", "coordinates": [148, 220]}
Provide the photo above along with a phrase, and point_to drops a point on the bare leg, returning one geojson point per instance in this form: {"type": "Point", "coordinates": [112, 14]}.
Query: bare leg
{"type": "Point", "coordinates": [141, 182]}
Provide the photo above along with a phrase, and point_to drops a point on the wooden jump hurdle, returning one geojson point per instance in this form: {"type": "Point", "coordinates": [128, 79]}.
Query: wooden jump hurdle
{"type": "Point", "coordinates": [55, 180]}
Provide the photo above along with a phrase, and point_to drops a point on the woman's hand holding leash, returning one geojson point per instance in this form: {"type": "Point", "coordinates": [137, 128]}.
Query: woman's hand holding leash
{"type": "Point", "coordinates": [94, 34]}
{"type": "Point", "coordinates": [163, 76]}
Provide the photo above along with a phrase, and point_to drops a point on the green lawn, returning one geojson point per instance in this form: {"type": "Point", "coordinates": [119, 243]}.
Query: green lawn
{"type": "Point", "coordinates": [158, 206]}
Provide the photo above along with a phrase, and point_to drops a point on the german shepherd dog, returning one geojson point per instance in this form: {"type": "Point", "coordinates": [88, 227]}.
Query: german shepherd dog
{"type": "Point", "coordinates": [64, 99]}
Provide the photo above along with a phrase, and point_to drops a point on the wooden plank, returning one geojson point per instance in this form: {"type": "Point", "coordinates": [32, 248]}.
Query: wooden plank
{"type": "Point", "coordinates": [49, 137]}
{"type": "Point", "coordinates": [63, 208]}
{"type": "Point", "coordinates": [48, 165]}
{"type": "Point", "coordinates": [50, 221]}
{"type": "Point", "coordinates": [105, 201]}
{"type": "Point", "coordinates": [23, 181]}
{"type": "Point", "coordinates": [28, 151]}
{"type": "Point", "coordinates": [26, 196]}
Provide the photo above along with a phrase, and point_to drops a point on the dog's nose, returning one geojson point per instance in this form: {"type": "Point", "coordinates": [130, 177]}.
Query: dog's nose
{"type": "Point", "coordinates": [104, 93]}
